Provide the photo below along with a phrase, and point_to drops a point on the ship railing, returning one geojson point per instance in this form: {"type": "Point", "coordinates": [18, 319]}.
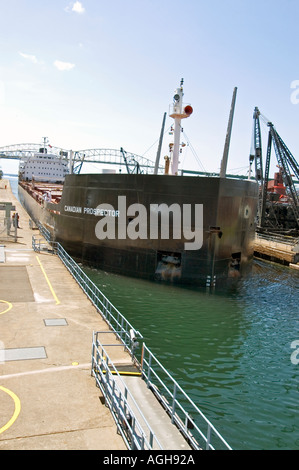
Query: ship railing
{"type": "Point", "coordinates": [193, 424]}
{"type": "Point", "coordinates": [133, 426]}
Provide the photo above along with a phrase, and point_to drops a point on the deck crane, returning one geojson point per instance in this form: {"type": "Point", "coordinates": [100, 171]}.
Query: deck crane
{"type": "Point", "coordinates": [286, 162]}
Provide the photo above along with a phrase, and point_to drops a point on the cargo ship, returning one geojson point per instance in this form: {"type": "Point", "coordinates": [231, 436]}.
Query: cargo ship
{"type": "Point", "coordinates": [165, 227]}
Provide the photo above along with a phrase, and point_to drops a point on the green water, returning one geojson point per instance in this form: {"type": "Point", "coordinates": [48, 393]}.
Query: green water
{"type": "Point", "coordinates": [230, 351]}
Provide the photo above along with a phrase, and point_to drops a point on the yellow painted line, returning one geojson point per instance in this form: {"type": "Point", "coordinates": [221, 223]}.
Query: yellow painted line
{"type": "Point", "coordinates": [9, 306]}
{"type": "Point", "coordinates": [16, 411]}
{"type": "Point", "coordinates": [49, 283]}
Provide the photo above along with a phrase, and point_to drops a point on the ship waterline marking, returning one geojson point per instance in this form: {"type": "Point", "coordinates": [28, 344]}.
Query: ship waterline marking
{"type": "Point", "coordinates": [134, 222]}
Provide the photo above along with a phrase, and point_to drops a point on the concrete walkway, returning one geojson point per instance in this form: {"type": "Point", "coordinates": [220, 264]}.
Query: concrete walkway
{"type": "Point", "coordinates": [48, 399]}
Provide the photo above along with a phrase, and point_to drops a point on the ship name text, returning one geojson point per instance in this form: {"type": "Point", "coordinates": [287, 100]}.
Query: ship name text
{"type": "Point", "coordinates": [91, 211]}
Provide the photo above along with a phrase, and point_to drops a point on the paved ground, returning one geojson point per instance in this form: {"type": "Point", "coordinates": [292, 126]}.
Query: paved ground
{"type": "Point", "coordinates": [48, 399]}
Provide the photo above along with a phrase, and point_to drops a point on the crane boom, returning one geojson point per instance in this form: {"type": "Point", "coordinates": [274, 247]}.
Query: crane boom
{"type": "Point", "coordinates": [286, 162]}
{"type": "Point", "coordinates": [258, 146]}
{"type": "Point", "coordinates": [283, 162]}
{"type": "Point", "coordinates": [256, 155]}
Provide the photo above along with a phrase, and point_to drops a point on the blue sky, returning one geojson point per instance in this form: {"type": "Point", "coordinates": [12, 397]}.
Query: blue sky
{"type": "Point", "coordinates": [95, 74]}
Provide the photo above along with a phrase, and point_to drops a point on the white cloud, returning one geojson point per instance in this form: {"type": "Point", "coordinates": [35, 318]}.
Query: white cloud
{"type": "Point", "coordinates": [78, 7]}
{"type": "Point", "coordinates": [63, 65]}
{"type": "Point", "coordinates": [30, 57]}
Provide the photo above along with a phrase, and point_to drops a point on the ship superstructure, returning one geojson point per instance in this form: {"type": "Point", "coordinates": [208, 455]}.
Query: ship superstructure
{"type": "Point", "coordinates": [44, 166]}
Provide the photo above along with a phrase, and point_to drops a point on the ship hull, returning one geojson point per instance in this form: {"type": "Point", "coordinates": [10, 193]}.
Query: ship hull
{"type": "Point", "coordinates": [227, 225]}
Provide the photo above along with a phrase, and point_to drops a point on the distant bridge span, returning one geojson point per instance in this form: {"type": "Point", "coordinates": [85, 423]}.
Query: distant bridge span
{"type": "Point", "coordinates": [102, 156]}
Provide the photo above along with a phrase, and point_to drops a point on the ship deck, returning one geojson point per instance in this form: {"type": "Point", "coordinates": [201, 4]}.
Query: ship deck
{"type": "Point", "coordinates": [42, 191]}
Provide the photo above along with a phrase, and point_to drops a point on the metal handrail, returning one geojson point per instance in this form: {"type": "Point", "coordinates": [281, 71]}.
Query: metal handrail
{"type": "Point", "coordinates": [167, 390]}
{"type": "Point", "coordinates": [279, 238]}
{"type": "Point", "coordinates": [111, 314]}
{"type": "Point", "coordinates": [130, 420]}
{"type": "Point", "coordinates": [44, 231]}
{"type": "Point", "coordinates": [38, 245]}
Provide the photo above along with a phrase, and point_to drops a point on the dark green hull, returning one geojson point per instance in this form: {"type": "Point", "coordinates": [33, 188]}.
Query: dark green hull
{"type": "Point", "coordinates": [229, 211]}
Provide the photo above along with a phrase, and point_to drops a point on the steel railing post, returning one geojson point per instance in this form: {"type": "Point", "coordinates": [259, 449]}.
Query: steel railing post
{"type": "Point", "coordinates": [208, 437]}
{"type": "Point", "coordinates": [92, 354]}
{"type": "Point", "coordinates": [173, 402]}
{"type": "Point", "coordinates": [149, 369]}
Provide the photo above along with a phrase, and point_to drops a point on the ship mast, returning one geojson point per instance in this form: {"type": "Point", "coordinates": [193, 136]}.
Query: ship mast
{"type": "Point", "coordinates": [178, 111]}
{"type": "Point", "coordinates": [228, 136]}
{"type": "Point", "coordinates": [160, 146]}
{"type": "Point", "coordinates": [45, 143]}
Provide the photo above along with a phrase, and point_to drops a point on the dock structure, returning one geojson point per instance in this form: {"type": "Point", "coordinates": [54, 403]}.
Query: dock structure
{"type": "Point", "coordinates": [279, 249]}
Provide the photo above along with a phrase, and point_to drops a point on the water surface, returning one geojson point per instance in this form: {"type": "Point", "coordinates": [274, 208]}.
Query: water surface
{"type": "Point", "coordinates": [230, 351]}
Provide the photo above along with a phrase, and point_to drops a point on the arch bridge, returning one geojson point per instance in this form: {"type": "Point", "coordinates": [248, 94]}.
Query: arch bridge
{"type": "Point", "coordinates": [133, 163]}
